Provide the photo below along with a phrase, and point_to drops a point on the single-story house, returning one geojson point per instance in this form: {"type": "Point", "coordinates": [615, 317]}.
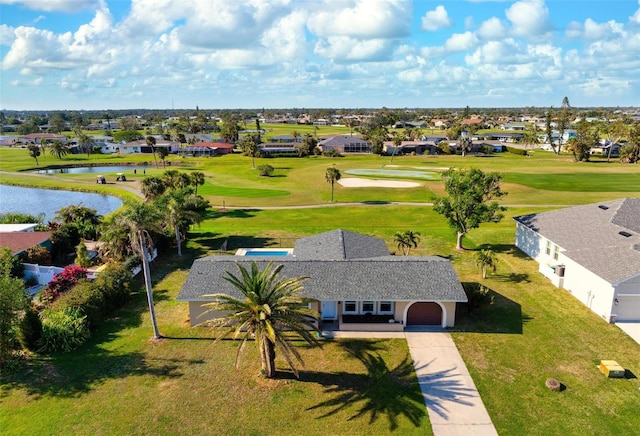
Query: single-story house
{"type": "Point", "coordinates": [208, 148]}
{"type": "Point", "coordinates": [593, 251]}
{"type": "Point", "coordinates": [345, 144]}
{"type": "Point", "coordinates": [141, 146]}
{"type": "Point", "coordinates": [21, 241]}
{"type": "Point", "coordinates": [355, 282]}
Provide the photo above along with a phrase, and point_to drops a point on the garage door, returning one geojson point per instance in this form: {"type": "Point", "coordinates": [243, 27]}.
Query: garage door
{"type": "Point", "coordinates": [424, 314]}
{"type": "Point", "coordinates": [628, 308]}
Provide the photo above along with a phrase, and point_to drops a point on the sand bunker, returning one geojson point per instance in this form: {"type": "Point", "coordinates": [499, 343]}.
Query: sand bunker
{"type": "Point", "coordinates": [353, 182]}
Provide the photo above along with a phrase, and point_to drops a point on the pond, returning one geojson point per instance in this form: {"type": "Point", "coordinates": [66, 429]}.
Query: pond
{"type": "Point", "coordinates": [127, 169]}
{"type": "Point", "coordinates": [35, 201]}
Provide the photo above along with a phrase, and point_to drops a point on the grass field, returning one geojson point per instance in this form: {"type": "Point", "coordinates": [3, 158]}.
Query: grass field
{"type": "Point", "coordinates": [121, 383]}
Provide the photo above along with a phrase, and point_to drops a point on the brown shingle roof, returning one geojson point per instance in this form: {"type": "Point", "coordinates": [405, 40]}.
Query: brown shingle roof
{"type": "Point", "coordinates": [21, 241]}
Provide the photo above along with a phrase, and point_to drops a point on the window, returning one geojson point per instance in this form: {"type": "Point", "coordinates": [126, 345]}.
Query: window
{"type": "Point", "coordinates": [350, 307]}
{"type": "Point", "coordinates": [556, 252]}
{"type": "Point", "coordinates": [386, 307]}
{"type": "Point", "coordinates": [368, 307]}
{"type": "Point", "coordinates": [548, 248]}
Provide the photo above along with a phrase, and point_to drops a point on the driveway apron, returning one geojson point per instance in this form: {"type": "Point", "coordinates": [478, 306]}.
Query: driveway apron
{"type": "Point", "coordinates": [453, 403]}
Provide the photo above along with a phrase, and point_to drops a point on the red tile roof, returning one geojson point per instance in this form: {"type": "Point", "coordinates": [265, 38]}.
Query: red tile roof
{"type": "Point", "coordinates": [20, 241]}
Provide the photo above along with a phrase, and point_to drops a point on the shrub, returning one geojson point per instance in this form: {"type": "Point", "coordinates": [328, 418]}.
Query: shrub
{"type": "Point", "coordinates": [331, 153]}
{"type": "Point", "coordinates": [478, 296]}
{"type": "Point", "coordinates": [88, 299]}
{"type": "Point", "coordinates": [133, 262]}
{"type": "Point", "coordinates": [265, 170]}
{"type": "Point", "coordinates": [446, 148]}
{"type": "Point", "coordinates": [63, 330]}
{"type": "Point", "coordinates": [63, 282]}
{"type": "Point", "coordinates": [518, 151]}
{"type": "Point", "coordinates": [82, 257]}
{"type": "Point", "coordinates": [38, 255]}
{"type": "Point", "coordinates": [115, 283]}
{"type": "Point", "coordinates": [30, 329]}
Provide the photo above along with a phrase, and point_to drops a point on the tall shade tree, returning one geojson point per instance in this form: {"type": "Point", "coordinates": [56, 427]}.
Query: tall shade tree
{"type": "Point", "coordinates": [332, 175]}
{"type": "Point", "coordinates": [34, 152]}
{"type": "Point", "coordinates": [270, 310]}
{"type": "Point", "coordinates": [197, 179]}
{"type": "Point", "coordinates": [613, 133]}
{"type": "Point", "coordinates": [485, 260]}
{"type": "Point", "coordinates": [630, 153]}
{"type": "Point", "coordinates": [151, 142]}
{"type": "Point", "coordinates": [466, 204]}
{"type": "Point", "coordinates": [406, 240]}
{"type": "Point", "coordinates": [140, 219]}
{"type": "Point", "coordinates": [58, 149]}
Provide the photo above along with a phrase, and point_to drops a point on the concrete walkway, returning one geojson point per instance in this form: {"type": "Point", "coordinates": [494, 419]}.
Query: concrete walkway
{"type": "Point", "coordinates": [452, 400]}
{"type": "Point", "coordinates": [632, 328]}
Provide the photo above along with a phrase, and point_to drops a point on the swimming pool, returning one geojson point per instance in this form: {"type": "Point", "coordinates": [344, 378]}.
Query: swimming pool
{"type": "Point", "coordinates": [265, 252]}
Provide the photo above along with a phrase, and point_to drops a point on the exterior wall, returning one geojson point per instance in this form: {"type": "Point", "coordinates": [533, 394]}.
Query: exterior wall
{"type": "Point", "coordinates": [196, 311]}
{"type": "Point", "coordinates": [594, 292]}
{"type": "Point", "coordinates": [529, 241]}
{"type": "Point", "coordinates": [374, 327]}
{"type": "Point", "coordinates": [627, 295]}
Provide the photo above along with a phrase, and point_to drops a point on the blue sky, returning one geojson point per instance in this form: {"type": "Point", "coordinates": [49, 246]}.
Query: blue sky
{"type": "Point", "coordinates": [118, 54]}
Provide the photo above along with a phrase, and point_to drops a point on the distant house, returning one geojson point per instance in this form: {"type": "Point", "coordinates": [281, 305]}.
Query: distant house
{"type": "Point", "coordinates": [513, 126]}
{"type": "Point", "coordinates": [141, 146]}
{"type": "Point", "coordinates": [208, 149]}
{"type": "Point", "coordinates": [42, 138]}
{"type": "Point", "coordinates": [345, 144]}
{"type": "Point", "coordinates": [409, 147]}
{"type": "Point", "coordinates": [355, 282]}
{"type": "Point", "coordinates": [593, 251]}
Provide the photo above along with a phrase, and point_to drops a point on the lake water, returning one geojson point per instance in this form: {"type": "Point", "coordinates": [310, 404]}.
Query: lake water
{"type": "Point", "coordinates": [127, 169]}
{"type": "Point", "coordinates": [36, 201]}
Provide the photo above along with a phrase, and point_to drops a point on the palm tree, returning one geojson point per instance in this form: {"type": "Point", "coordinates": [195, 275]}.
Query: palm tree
{"type": "Point", "coordinates": [178, 212]}
{"type": "Point", "coordinates": [163, 152]}
{"type": "Point", "coordinates": [139, 219]}
{"type": "Point", "coordinates": [59, 149]}
{"type": "Point", "coordinates": [34, 152]}
{"type": "Point", "coordinates": [151, 142]}
{"type": "Point", "coordinates": [84, 141]}
{"type": "Point", "coordinates": [152, 187]}
{"type": "Point", "coordinates": [486, 259]}
{"type": "Point", "coordinates": [332, 176]}
{"type": "Point", "coordinates": [197, 178]}
{"type": "Point", "coordinates": [407, 239]}
{"type": "Point", "coordinates": [269, 310]}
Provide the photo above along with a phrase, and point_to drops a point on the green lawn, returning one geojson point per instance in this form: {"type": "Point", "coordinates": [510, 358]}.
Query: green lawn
{"type": "Point", "coordinates": [121, 383]}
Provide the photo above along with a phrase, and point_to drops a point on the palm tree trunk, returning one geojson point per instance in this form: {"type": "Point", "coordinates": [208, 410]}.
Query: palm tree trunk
{"type": "Point", "coordinates": [332, 191]}
{"type": "Point", "coordinates": [459, 241]}
{"type": "Point", "coordinates": [268, 357]}
{"type": "Point", "coordinates": [177, 229]}
{"type": "Point", "coordinates": [147, 283]}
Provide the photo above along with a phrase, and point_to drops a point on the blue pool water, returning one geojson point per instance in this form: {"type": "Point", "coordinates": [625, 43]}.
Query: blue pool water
{"type": "Point", "coordinates": [267, 253]}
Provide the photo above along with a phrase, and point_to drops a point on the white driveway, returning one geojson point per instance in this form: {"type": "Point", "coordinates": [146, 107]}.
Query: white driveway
{"type": "Point", "coordinates": [631, 328]}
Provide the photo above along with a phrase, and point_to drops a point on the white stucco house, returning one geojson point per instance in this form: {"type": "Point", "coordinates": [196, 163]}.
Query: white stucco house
{"type": "Point", "coordinates": [593, 251]}
{"type": "Point", "coordinates": [356, 284]}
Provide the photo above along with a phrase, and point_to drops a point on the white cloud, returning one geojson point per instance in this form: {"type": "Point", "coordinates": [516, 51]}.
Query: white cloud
{"type": "Point", "coordinates": [529, 18]}
{"type": "Point", "coordinates": [365, 19]}
{"type": "Point", "coordinates": [342, 48]}
{"type": "Point", "coordinates": [461, 42]}
{"type": "Point", "coordinates": [635, 18]}
{"type": "Point", "coordinates": [7, 35]}
{"type": "Point", "coordinates": [56, 5]}
{"type": "Point", "coordinates": [436, 19]}
{"type": "Point", "coordinates": [492, 29]}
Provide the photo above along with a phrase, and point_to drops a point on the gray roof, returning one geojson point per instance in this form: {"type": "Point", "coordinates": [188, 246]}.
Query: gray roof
{"type": "Point", "coordinates": [338, 245]}
{"type": "Point", "coordinates": [341, 265]}
{"type": "Point", "coordinates": [397, 278]}
{"type": "Point", "coordinates": [343, 140]}
{"type": "Point", "coordinates": [590, 235]}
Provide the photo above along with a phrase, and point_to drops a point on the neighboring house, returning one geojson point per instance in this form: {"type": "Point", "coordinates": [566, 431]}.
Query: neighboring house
{"type": "Point", "coordinates": [21, 241]}
{"type": "Point", "coordinates": [352, 278]}
{"type": "Point", "coordinates": [593, 251]}
{"type": "Point", "coordinates": [345, 144]}
{"type": "Point", "coordinates": [208, 149]}
{"type": "Point", "coordinates": [408, 147]}
{"type": "Point", "coordinates": [141, 146]}
{"type": "Point", "coordinates": [513, 126]}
